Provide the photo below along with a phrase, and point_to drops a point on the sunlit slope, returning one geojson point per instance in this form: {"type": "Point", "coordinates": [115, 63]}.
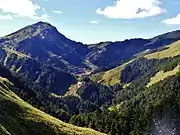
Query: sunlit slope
{"type": "Point", "coordinates": [171, 51]}
{"type": "Point", "coordinates": [3, 131]}
{"type": "Point", "coordinates": [19, 118]}
{"type": "Point", "coordinates": [111, 77]}
{"type": "Point", "coordinates": [162, 75]}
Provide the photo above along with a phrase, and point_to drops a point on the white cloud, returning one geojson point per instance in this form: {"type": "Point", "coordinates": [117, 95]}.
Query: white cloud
{"type": "Point", "coordinates": [57, 11]}
{"type": "Point", "coordinates": [21, 8]}
{"type": "Point", "coordinates": [6, 17]}
{"type": "Point", "coordinates": [129, 9]}
{"type": "Point", "coordinates": [173, 21]}
{"type": "Point", "coordinates": [94, 22]}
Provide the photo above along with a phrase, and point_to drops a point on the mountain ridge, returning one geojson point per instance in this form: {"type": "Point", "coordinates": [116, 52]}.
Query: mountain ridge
{"type": "Point", "coordinates": [118, 101]}
{"type": "Point", "coordinates": [42, 46]}
{"type": "Point", "coordinates": [55, 49]}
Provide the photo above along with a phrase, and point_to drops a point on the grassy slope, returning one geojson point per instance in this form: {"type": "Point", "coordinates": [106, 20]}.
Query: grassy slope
{"type": "Point", "coordinates": [172, 51]}
{"type": "Point", "coordinates": [3, 131]}
{"type": "Point", "coordinates": [10, 53]}
{"type": "Point", "coordinates": [162, 75]}
{"type": "Point", "coordinates": [111, 77]}
{"type": "Point", "coordinates": [19, 54]}
{"type": "Point", "coordinates": [20, 118]}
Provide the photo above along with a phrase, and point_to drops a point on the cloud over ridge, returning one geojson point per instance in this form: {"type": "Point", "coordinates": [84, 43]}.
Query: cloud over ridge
{"type": "Point", "coordinates": [173, 21]}
{"type": "Point", "coordinates": [130, 9]}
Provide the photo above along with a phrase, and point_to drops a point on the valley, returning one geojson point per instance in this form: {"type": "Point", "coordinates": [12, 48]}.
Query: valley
{"type": "Point", "coordinates": [18, 117]}
{"type": "Point", "coordinates": [49, 84]}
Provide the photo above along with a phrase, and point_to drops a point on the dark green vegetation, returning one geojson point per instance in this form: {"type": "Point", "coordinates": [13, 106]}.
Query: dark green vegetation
{"type": "Point", "coordinates": [20, 118]}
{"type": "Point", "coordinates": [38, 73]}
{"type": "Point", "coordinates": [60, 107]}
{"type": "Point", "coordinates": [137, 108]}
{"type": "Point", "coordinates": [140, 95]}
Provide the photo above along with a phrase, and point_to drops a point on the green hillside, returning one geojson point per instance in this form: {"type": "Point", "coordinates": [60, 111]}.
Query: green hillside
{"type": "Point", "coordinates": [20, 118]}
{"type": "Point", "coordinates": [42, 74]}
{"type": "Point", "coordinates": [171, 51]}
{"type": "Point", "coordinates": [145, 102]}
{"type": "Point", "coordinates": [51, 85]}
{"type": "Point", "coordinates": [3, 131]}
{"type": "Point", "coordinates": [163, 75]}
{"type": "Point", "coordinates": [111, 77]}
{"type": "Point", "coordinates": [138, 109]}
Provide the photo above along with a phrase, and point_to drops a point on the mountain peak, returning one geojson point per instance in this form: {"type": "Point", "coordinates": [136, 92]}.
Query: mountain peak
{"type": "Point", "coordinates": [41, 24]}
{"type": "Point", "coordinates": [41, 29]}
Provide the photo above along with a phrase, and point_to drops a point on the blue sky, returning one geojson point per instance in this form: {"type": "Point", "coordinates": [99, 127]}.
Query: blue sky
{"type": "Point", "coordinates": [91, 21]}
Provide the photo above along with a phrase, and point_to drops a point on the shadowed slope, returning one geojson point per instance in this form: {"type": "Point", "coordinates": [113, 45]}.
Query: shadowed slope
{"type": "Point", "coordinates": [18, 117]}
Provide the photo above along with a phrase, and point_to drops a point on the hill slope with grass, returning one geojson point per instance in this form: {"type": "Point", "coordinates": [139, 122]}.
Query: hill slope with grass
{"type": "Point", "coordinates": [47, 57]}
{"type": "Point", "coordinates": [146, 101]}
{"type": "Point", "coordinates": [113, 76]}
{"type": "Point", "coordinates": [171, 50]}
{"type": "Point", "coordinates": [121, 93]}
{"type": "Point", "coordinates": [110, 77]}
{"type": "Point", "coordinates": [18, 117]}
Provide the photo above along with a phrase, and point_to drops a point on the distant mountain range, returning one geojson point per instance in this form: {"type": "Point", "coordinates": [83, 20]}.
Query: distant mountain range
{"type": "Point", "coordinates": [38, 48]}
{"type": "Point", "coordinates": [42, 42]}
{"type": "Point", "coordinates": [124, 87]}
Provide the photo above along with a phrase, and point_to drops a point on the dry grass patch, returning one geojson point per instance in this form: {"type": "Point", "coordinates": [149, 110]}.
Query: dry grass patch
{"type": "Point", "coordinates": [162, 75]}
{"type": "Point", "coordinates": [111, 77]}
{"type": "Point", "coordinates": [172, 51]}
